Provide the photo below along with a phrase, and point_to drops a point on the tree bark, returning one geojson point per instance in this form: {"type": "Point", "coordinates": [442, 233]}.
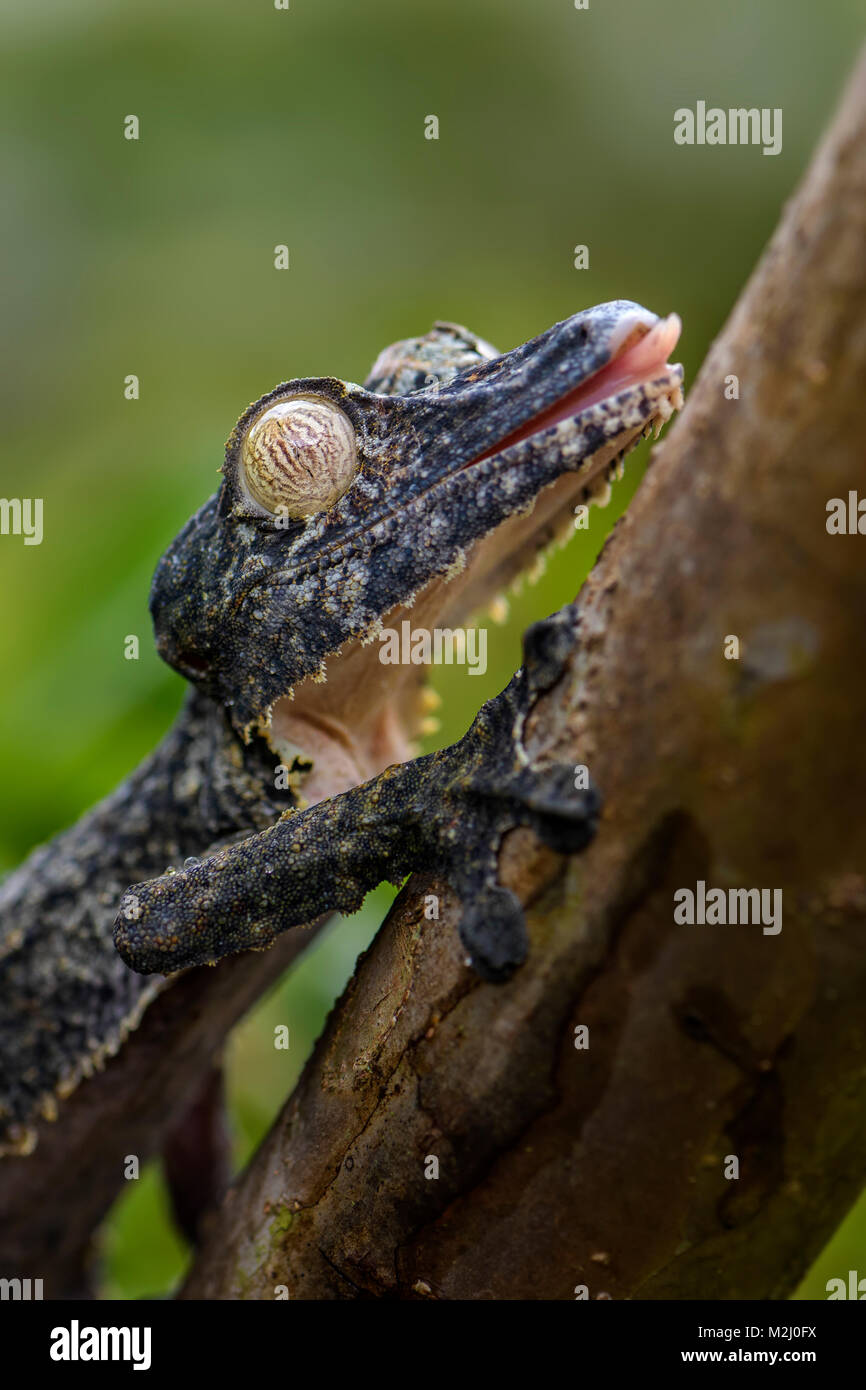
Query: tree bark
{"type": "Point", "coordinates": [52, 1200]}
{"type": "Point", "coordinates": [605, 1167]}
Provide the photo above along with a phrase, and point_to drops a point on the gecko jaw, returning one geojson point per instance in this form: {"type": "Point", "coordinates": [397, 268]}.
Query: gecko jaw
{"type": "Point", "coordinates": [458, 483]}
{"type": "Point", "coordinates": [639, 361]}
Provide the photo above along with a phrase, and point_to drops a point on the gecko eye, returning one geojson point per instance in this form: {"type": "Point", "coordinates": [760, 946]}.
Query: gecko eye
{"type": "Point", "coordinates": [299, 456]}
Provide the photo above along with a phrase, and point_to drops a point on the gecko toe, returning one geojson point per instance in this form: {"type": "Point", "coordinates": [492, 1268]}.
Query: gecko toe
{"type": "Point", "coordinates": [563, 816]}
{"type": "Point", "coordinates": [493, 930]}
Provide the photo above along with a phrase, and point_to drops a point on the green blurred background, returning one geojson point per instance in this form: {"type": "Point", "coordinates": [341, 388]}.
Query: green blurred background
{"type": "Point", "coordinates": [155, 257]}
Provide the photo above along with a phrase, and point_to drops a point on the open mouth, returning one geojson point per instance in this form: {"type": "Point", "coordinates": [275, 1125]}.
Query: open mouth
{"type": "Point", "coordinates": [585, 435]}
{"type": "Point", "coordinates": [605, 415]}
{"type": "Point", "coordinates": [638, 366]}
{"type": "Point", "coordinates": [589, 428]}
{"type": "Point", "coordinates": [457, 489]}
{"type": "Point", "coordinates": [641, 359]}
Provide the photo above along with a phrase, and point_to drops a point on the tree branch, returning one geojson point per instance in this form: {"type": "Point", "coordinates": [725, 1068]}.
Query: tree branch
{"type": "Point", "coordinates": [606, 1167]}
{"type": "Point", "coordinates": [51, 1201]}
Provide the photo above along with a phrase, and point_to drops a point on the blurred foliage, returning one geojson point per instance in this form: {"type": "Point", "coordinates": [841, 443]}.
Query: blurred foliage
{"type": "Point", "coordinates": [306, 127]}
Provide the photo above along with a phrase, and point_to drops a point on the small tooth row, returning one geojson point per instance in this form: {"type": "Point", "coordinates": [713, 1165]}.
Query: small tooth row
{"type": "Point", "coordinates": [666, 406]}
{"type": "Point", "coordinates": [597, 493]}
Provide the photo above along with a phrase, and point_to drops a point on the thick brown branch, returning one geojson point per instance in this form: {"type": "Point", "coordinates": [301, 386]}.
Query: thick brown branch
{"type": "Point", "coordinates": [605, 1167]}
{"type": "Point", "coordinates": [52, 1200]}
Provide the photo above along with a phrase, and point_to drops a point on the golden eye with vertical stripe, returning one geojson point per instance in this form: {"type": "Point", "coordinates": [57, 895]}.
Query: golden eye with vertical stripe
{"type": "Point", "coordinates": [299, 456]}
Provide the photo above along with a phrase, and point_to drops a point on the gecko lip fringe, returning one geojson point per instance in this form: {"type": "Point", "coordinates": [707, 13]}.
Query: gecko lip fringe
{"type": "Point", "coordinates": [442, 457]}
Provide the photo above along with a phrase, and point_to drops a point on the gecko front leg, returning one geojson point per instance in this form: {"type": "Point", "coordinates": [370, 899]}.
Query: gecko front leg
{"type": "Point", "coordinates": [447, 811]}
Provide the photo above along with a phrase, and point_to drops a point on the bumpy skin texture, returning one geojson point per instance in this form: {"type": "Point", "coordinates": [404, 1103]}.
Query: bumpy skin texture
{"type": "Point", "coordinates": [447, 811]}
{"type": "Point", "coordinates": [436, 475]}
{"type": "Point", "coordinates": [236, 586]}
{"type": "Point", "coordinates": [244, 608]}
{"type": "Point", "coordinates": [66, 998]}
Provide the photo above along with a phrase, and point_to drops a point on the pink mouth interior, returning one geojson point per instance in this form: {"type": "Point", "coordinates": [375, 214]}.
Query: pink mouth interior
{"type": "Point", "coordinates": [642, 361]}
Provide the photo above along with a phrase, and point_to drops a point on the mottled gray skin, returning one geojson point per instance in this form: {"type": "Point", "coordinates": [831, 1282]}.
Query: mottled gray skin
{"type": "Point", "coordinates": [245, 609]}
{"type": "Point", "coordinates": [66, 998]}
{"type": "Point", "coordinates": [447, 811]}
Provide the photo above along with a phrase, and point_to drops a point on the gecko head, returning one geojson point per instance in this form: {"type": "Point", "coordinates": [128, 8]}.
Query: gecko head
{"type": "Point", "coordinates": [342, 505]}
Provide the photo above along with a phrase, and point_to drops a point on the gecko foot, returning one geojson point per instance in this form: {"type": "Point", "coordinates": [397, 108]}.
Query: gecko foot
{"type": "Point", "coordinates": [447, 812]}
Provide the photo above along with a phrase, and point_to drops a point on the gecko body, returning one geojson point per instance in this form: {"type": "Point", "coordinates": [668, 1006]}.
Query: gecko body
{"type": "Point", "coordinates": [423, 494]}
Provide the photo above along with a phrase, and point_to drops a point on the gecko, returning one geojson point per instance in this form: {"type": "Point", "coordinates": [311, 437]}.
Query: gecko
{"type": "Point", "coordinates": [343, 508]}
